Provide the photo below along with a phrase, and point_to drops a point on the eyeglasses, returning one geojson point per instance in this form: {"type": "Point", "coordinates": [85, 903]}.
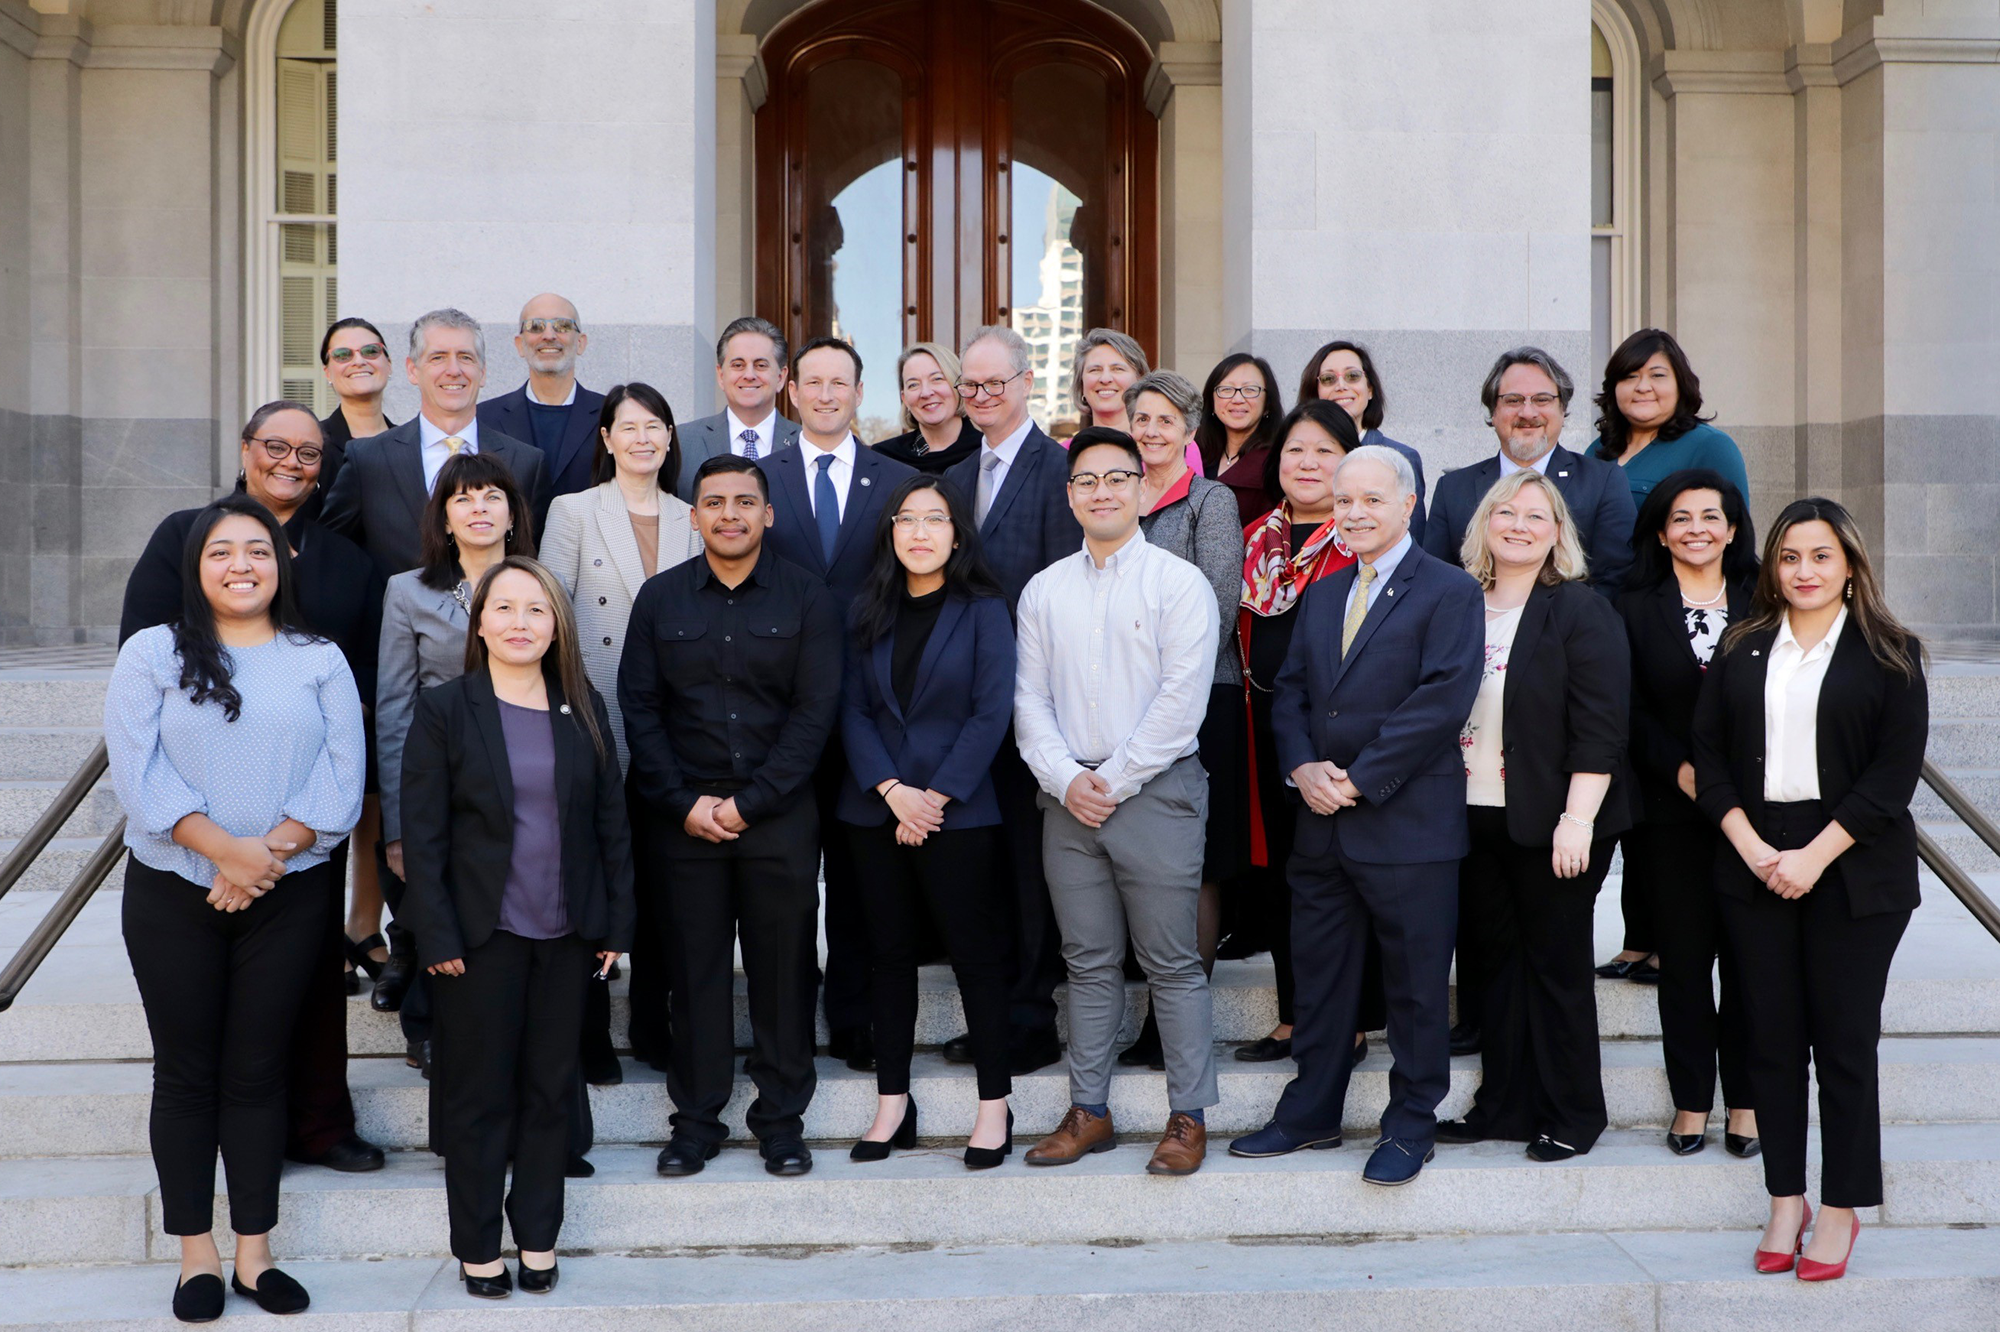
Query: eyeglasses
{"type": "Point", "coordinates": [907, 523]}
{"type": "Point", "coordinates": [280, 449]}
{"type": "Point", "coordinates": [1351, 378]}
{"type": "Point", "coordinates": [1247, 392]}
{"type": "Point", "coordinates": [367, 351]}
{"type": "Point", "coordinates": [1513, 402]}
{"type": "Point", "coordinates": [537, 327]}
{"type": "Point", "coordinates": [992, 388]}
{"type": "Point", "coordinates": [1117, 482]}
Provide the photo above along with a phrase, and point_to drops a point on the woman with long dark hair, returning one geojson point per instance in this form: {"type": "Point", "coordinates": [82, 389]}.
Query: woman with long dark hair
{"type": "Point", "coordinates": [236, 749]}
{"type": "Point", "coordinates": [1649, 417]}
{"type": "Point", "coordinates": [1241, 411]}
{"type": "Point", "coordinates": [1808, 742]}
{"type": "Point", "coordinates": [927, 699]}
{"type": "Point", "coordinates": [520, 874]}
{"type": "Point", "coordinates": [1344, 374]}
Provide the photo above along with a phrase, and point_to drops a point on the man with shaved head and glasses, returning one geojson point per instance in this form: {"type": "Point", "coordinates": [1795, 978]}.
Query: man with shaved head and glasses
{"type": "Point", "coordinates": [551, 411]}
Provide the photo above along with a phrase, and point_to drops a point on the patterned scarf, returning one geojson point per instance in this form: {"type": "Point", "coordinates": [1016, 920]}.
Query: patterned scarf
{"type": "Point", "coordinates": [1273, 574]}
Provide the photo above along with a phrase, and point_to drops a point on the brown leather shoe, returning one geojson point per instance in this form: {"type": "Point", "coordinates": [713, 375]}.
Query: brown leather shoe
{"type": "Point", "coordinates": [1183, 1149]}
{"type": "Point", "coordinates": [1079, 1134]}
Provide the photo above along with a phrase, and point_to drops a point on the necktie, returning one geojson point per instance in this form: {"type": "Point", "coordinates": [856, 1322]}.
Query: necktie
{"type": "Point", "coordinates": [989, 463]}
{"type": "Point", "coordinates": [453, 444]}
{"type": "Point", "coordinates": [749, 438]}
{"type": "Point", "coordinates": [826, 507]}
{"type": "Point", "coordinates": [1357, 612]}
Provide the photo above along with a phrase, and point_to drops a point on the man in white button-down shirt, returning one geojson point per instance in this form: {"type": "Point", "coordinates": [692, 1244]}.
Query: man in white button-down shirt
{"type": "Point", "coordinates": [1117, 651]}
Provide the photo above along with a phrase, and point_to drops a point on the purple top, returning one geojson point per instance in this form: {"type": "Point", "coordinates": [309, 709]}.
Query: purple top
{"type": "Point", "coordinates": [531, 904]}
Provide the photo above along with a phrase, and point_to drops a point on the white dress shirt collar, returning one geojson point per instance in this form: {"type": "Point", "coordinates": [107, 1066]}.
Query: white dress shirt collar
{"type": "Point", "coordinates": [434, 454]}
{"type": "Point", "coordinates": [766, 430]}
{"type": "Point", "coordinates": [1508, 466]}
{"type": "Point", "coordinates": [1385, 565]}
{"type": "Point", "coordinates": [841, 473]}
{"type": "Point", "coordinates": [1823, 648]}
{"type": "Point", "coordinates": [1120, 561]}
{"type": "Point", "coordinates": [1010, 447]}
{"type": "Point", "coordinates": [1791, 711]}
{"type": "Point", "coordinates": [533, 399]}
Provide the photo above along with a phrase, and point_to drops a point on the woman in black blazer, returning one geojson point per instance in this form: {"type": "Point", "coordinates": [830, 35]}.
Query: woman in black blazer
{"type": "Point", "coordinates": [928, 697]}
{"type": "Point", "coordinates": [1543, 749]}
{"type": "Point", "coordinates": [520, 869]}
{"type": "Point", "coordinates": [1808, 742]}
{"type": "Point", "coordinates": [1693, 574]}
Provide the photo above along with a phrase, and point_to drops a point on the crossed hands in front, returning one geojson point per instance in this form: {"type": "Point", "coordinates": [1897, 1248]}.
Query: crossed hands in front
{"type": "Point", "coordinates": [252, 866]}
{"type": "Point", "coordinates": [1325, 787]}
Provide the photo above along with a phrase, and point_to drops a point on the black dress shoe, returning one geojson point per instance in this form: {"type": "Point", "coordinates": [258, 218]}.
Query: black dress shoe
{"type": "Point", "coordinates": [352, 980]}
{"type": "Point", "coordinates": [1615, 970]}
{"type": "Point", "coordinates": [540, 1280]}
{"type": "Point", "coordinates": [904, 1138]}
{"type": "Point", "coordinates": [1265, 1049]}
{"type": "Point", "coordinates": [602, 1069]}
{"type": "Point", "coordinates": [1546, 1149]}
{"type": "Point", "coordinates": [985, 1158]}
{"type": "Point", "coordinates": [1745, 1146]}
{"type": "Point", "coordinates": [958, 1050]}
{"type": "Point", "coordinates": [393, 984]}
{"type": "Point", "coordinates": [199, 1298]}
{"type": "Point", "coordinates": [1686, 1144]}
{"type": "Point", "coordinates": [1146, 1052]}
{"type": "Point", "coordinates": [1033, 1050]}
{"type": "Point", "coordinates": [685, 1156]}
{"type": "Point", "coordinates": [1357, 1052]}
{"type": "Point", "coordinates": [787, 1157]}
{"type": "Point", "coordinates": [274, 1292]}
{"type": "Point", "coordinates": [487, 1288]}
{"type": "Point", "coordinates": [855, 1047]}
{"type": "Point", "coordinates": [1458, 1131]}
{"type": "Point", "coordinates": [1464, 1040]}
{"type": "Point", "coordinates": [578, 1168]}
{"type": "Point", "coordinates": [350, 1156]}
{"type": "Point", "coordinates": [417, 1054]}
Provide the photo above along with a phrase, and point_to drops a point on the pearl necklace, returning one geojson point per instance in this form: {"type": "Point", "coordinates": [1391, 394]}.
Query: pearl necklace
{"type": "Point", "coordinates": [1692, 604]}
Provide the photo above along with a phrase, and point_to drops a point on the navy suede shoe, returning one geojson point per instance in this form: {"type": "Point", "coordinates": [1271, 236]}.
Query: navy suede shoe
{"type": "Point", "coordinates": [1272, 1140]}
{"type": "Point", "coordinates": [1397, 1161]}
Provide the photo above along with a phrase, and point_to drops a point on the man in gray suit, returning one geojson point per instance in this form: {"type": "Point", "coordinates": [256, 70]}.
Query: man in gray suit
{"type": "Point", "coordinates": [378, 499]}
{"type": "Point", "coordinates": [750, 368]}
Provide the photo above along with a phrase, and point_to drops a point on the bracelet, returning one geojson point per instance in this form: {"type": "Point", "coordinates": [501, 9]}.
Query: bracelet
{"type": "Point", "coordinates": [1567, 817]}
{"type": "Point", "coordinates": [893, 784]}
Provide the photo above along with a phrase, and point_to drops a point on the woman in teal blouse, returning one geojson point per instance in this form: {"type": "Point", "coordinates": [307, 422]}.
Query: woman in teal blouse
{"type": "Point", "coordinates": [1649, 417]}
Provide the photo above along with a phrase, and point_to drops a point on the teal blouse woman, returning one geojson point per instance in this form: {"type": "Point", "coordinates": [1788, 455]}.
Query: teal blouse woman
{"type": "Point", "coordinates": [1649, 417]}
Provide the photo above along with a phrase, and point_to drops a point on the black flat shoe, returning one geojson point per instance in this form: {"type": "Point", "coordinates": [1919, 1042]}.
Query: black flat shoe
{"type": "Point", "coordinates": [1645, 973]}
{"type": "Point", "coordinates": [1458, 1131]}
{"type": "Point", "coordinates": [274, 1292]}
{"type": "Point", "coordinates": [350, 1156]}
{"type": "Point", "coordinates": [1618, 970]}
{"type": "Point", "coordinates": [904, 1138]}
{"type": "Point", "coordinates": [578, 1168]}
{"type": "Point", "coordinates": [393, 984]}
{"type": "Point", "coordinates": [958, 1050]}
{"type": "Point", "coordinates": [685, 1156]}
{"type": "Point", "coordinates": [1265, 1049]}
{"type": "Point", "coordinates": [985, 1158]}
{"type": "Point", "coordinates": [1464, 1040]}
{"type": "Point", "coordinates": [199, 1298]}
{"type": "Point", "coordinates": [540, 1280]}
{"type": "Point", "coordinates": [1737, 1144]}
{"type": "Point", "coordinates": [487, 1288]}
{"type": "Point", "coordinates": [787, 1158]}
{"type": "Point", "coordinates": [1547, 1149]}
{"type": "Point", "coordinates": [1686, 1144]}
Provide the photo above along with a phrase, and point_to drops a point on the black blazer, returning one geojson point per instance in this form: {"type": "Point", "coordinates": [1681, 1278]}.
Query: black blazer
{"type": "Point", "coordinates": [1030, 525]}
{"type": "Point", "coordinates": [794, 533]}
{"type": "Point", "coordinates": [1869, 732]}
{"type": "Point", "coordinates": [1666, 682]}
{"type": "Point", "coordinates": [1596, 491]}
{"type": "Point", "coordinates": [1565, 708]}
{"type": "Point", "coordinates": [458, 821]}
{"type": "Point", "coordinates": [903, 448]}
{"type": "Point", "coordinates": [378, 500]}
{"type": "Point", "coordinates": [567, 471]}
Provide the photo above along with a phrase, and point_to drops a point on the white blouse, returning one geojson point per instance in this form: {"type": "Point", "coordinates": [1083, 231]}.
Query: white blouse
{"type": "Point", "coordinates": [1791, 712]}
{"type": "Point", "coordinates": [1480, 739]}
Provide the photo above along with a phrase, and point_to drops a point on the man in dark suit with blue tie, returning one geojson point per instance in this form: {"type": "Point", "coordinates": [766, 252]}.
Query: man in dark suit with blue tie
{"type": "Point", "coordinates": [1381, 675]}
{"type": "Point", "coordinates": [1526, 395]}
{"type": "Point", "coordinates": [751, 366]}
{"type": "Point", "coordinates": [827, 492]}
{"type": "Point", "coordinates": [1018, 483]}
{"type": "Point", "coordinates": [551, 411]}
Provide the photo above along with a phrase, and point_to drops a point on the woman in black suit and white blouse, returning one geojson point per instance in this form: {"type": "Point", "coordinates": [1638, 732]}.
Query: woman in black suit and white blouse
{"type": "Point", "coordinates": [1808, 742]}
{"type": "Point", "coordinates": [1693, 574]}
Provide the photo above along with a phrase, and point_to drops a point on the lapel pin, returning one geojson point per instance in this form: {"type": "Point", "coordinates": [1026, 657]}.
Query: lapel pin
{"type": "Point", "coordinates": [1562, 473]}
{"type": "Point", "coordinates": [1756, 652]}
{"type": "Point", "coordinates": [1388, 591]}
{"type": "Point", "coordinates": [564, 709]}
{"type": "Point", "coordinates": [867, 481]}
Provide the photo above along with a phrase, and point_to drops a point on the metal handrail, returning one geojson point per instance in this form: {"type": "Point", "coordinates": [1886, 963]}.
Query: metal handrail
{"type": "Point", "coordinates": [52, 819]}
{"type": "Point", "coordinates": [1948, 872]}
{"type": "Point", "coordinates": [39, 943]}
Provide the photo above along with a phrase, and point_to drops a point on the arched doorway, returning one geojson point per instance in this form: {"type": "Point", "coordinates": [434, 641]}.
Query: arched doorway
{"type": "Point", "coordinates": [924, 168]}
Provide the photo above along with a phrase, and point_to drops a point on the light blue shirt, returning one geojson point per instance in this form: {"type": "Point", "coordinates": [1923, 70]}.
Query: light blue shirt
{"type": "Point", "coordinates": [296, 751]}
{"type": "Point", "coordinates": [435, 454]}
{"type": "Point", "coordinates": [1385, 565]}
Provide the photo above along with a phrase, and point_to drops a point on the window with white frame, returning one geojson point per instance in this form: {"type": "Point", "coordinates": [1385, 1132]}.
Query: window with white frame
{"type": "Point", "coordinates": [301, 223]}
{"type": "Point", "coordinates": [1615, 253]}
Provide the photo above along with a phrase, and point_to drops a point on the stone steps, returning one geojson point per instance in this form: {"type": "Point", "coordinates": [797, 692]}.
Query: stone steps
{"type": "Point", "coordinates": [22, 802]}
{"type": "Point", "coordinates": [45, 753]}
{"type": "Point", "coordinates": [1916, 1279]}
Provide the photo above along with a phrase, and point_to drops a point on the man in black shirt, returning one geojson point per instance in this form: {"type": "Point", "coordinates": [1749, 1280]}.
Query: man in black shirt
{"type": "Point", "coordinates": [730, 686]}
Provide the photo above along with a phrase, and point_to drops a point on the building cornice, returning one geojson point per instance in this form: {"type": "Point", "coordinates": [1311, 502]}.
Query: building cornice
{"type": "Point", "coordinates": [161, 46]}
{"type": "Point", "coordinates": [1756, 73]}
{"type": "Point", "coordinates": [1182, 65]}
{"type": "Point", "coordinates": [736, 57]}
{"type": "Point", "coordinates": [1879, 41]}
{"type": "Point", "coordinates": [1810, 66]}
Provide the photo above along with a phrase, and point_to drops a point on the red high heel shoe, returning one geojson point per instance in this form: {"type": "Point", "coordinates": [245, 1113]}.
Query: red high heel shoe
{"type": "Point", "coordinates": [1816, 1271]}
{"type": "Point", "coordinates": [1771, 1260]}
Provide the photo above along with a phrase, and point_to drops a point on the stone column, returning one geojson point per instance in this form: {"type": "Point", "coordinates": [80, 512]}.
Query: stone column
{"type": "Point", "coordinates": [1185, 91]}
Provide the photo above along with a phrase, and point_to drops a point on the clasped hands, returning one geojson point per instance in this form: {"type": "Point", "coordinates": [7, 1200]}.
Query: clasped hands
{"type": "Point", "coordinates": [252, 866]}
{"type": "Point", "coordinates": [1789, 874]}
{"type": "Point", "coordinates": [919, 813]}
{"type": "Point", "coordinates": [1326, 787]}
{"type": "Point", "coordinates": [714, 819]}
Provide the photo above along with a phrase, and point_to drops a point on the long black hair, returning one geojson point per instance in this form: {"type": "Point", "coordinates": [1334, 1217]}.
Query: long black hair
{"type": "Point", "coordinates": [966, 574]}
{"type": "Point", "coordinates": [1325, 413]}
{"type": "Point", "coordinates": [1211, 436]}
{"type": "Point", "coordinates": [437, 552]}
{"type": "Point", "coordinates": [1378, 401]}
{"type": "Point", "coordinates": [1652, 564]}
{"type": "Point", "coordinates": [604, 465]}
{"type": "Point", "coordinates": [1614, 432]}
{"type": "Point", "coordinates": [205, 664]}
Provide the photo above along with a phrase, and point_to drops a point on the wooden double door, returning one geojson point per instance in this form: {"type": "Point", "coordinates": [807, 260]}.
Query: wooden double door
{"type": "Point", "coordinates": [928, 166]}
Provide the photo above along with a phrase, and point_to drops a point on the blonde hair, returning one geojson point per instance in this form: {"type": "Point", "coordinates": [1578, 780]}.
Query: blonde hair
{"type": "Point", "coordinates": [1565, 560]}
{"type": "Point", "coordinates": [946, 362]}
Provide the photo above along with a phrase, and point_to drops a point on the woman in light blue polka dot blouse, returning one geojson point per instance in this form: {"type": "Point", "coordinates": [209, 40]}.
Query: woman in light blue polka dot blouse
{"type": "Point", "coordinates": [236, 750]}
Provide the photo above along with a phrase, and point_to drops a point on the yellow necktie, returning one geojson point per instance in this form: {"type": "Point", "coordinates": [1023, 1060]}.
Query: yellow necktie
{"type": "Point", "coordinates": [1357, 612]}
{"type": "Point", "coordinates": [454, 444]}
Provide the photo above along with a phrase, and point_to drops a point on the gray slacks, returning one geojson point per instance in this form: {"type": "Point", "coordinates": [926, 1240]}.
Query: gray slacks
{"type": "Point", "coordinates": [1139, 873]}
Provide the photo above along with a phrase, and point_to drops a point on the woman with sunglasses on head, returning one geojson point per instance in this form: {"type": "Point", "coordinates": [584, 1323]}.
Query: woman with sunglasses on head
{"type": "Point", "coordinates": [1343, 373]}
{"type": "Point", "coordinates": [354, 357]}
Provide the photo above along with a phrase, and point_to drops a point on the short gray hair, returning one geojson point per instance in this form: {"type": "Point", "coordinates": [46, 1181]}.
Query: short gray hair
{"type": "Point", "coordinates": [1489, 392]}
{"type": "Point", "coordinates": [1017, 348]}
{"type": "Point", "coordinates": [1185, 397]}
{"type": "Point", "coordinates": [1406, 476]}
{"type": "Point", "coordinates": [448, 317]}
{"type": "Point", "coordinates": [752, 324]}
{"type": "Point", "coordinates": [1134, 354]}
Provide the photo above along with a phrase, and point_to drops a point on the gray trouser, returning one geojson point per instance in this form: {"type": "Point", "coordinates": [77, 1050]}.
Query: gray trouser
{"type": "Point", "coordinates": [1140, 872]}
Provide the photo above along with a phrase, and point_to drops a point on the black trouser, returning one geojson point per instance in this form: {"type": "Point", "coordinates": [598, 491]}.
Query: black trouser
{"type": "Point", "coordinates": [319, 1111]}
{"type": "Point", "coordinates": [953, 879]}
{"type": "Point", "coordinates": [415, 1015]}
{"type": "Point", "coordinates": [1813, 977]}
{"type": "Point", "coordinates": [847, 941]}
{"type": "Point", "coordinates": [221, 990]}
{"type": "Point", "coordinates": [1539, 1057]}
{"type": "Point", "coordinates": [506, 1072]}
{"type": "Point", "coordinates": [1673, 865]}
{"type": "Point", "coordinates": [646, 965]}
{"type": "Point", "coordinates": [761, 884]}
{"type": "Point", "coordinates": [1037, 942]}
{"type": "Point", "coordinates": [1639, 909]}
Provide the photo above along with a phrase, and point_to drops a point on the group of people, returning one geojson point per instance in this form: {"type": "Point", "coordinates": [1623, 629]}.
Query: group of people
{"type": "Point", "coordinates": [587, 684]}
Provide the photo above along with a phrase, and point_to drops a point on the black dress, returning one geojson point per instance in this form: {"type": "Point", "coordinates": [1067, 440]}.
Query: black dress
{"type": "Point", "coordinates": [910, 449]}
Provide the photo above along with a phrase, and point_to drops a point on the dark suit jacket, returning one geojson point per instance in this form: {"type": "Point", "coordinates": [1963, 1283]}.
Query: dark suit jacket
{"type": "Point", "coordinates": [959, 713]}
{"type": "Point", "coordinates": [1565, 708]}
{"type": "Point", "coordinates": [1389, 712]}
{"type": "Point", "coordinates": [795, 533]}
{"type": "Point", "coordinates": [378, 502]}
{"type": "Point", "coordinates": [334, 438]}
{"type": "Point", "coordinates": [458, 821]}
{"type": "Point", "coordinates": [1596, 492]}
{"type": "Point", "coordinates": [707, 436]}
{"type": "Point", "coordinates": [1869, 732]}
{"type": "Point", "coordinates": [567, 470]}
{"type": "Point", "coordinates": [1418, 520]}
{"type": "Point", "coordinates": [1666, 682]}
{"type": "Point", "coordinates": [1030, 525]}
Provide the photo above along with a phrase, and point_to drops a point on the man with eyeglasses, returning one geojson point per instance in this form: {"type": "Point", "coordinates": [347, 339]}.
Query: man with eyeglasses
{"type": "Point", "coordinates": [1526, 394]}
{"type": "Point", "coordinates": [1017, 481]}
{"type": "Point", "coordinates": [551, 411]}
{"type": "Point", "coordinates": [750, 368]}
{"type": "Point", "coordinates": [1116, 654]}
